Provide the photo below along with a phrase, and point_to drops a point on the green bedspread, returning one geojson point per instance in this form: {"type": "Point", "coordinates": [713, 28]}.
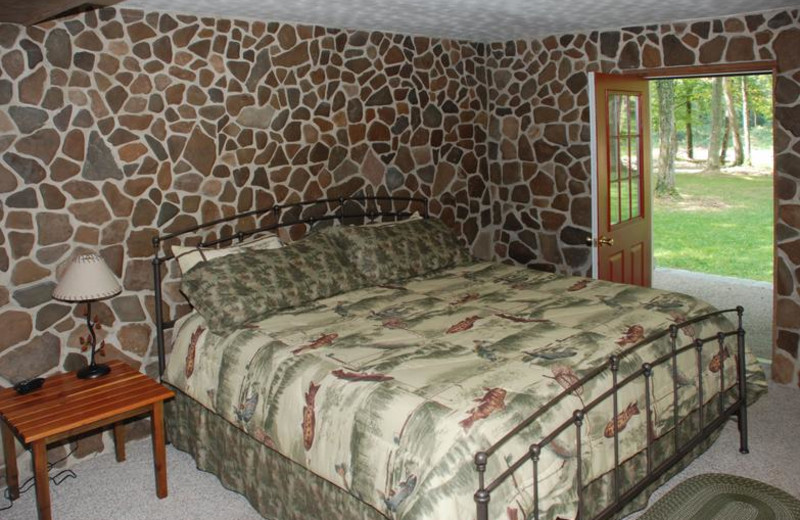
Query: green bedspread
{"type": "Point", "coordinates": [389, 391]}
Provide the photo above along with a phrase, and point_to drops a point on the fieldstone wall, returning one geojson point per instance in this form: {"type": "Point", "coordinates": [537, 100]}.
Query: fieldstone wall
{"type": "Point", "coordinates": [539, 139]}
{"type": "Point", "coordinates": [116, 124]}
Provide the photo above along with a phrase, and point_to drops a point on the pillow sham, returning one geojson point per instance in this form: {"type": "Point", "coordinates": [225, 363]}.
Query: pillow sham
{"type": "Point", "coordinates": [235, 290]}
{"type": "Point", "coordinates": [406, 249]}
{"type": "Point", "coordinates": [188, 256]}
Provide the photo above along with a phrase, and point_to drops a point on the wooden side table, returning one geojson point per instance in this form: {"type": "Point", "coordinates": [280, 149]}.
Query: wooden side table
{"type": "Point", "coordinates": [67, 406]}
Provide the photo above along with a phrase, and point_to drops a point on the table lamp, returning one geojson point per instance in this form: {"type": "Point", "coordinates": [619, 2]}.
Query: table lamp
{"type": "Point", "coordinates": [88, 279]}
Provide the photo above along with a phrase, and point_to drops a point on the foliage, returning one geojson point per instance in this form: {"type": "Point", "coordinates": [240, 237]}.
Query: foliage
{"type": "Point", "coordinates": [698, 90]}
{"type": "Point", "coordinates": [722, 224]}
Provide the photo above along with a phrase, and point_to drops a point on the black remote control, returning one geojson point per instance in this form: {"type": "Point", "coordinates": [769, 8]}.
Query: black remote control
{"type": "Point", "coordinates": [29, 385]}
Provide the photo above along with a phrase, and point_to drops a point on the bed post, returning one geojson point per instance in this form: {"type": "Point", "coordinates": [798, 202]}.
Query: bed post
{"type": "Point", "coordinates": [157, 309]}
{"type": "Point", "coordinates": [742, 376]}
{"type": "Point", "coordinates": [482, 496]}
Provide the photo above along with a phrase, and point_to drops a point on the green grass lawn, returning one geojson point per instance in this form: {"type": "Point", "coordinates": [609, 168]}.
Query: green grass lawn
{"type": "Point", "coordinates": [722, 224]}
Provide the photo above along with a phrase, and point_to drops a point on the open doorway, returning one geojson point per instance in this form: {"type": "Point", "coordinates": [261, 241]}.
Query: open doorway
{"type": "Point", "coordinates": [713, 203]}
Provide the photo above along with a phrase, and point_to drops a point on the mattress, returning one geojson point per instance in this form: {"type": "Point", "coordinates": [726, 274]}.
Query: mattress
{"type": "Point", "coordinates": [389, 391]}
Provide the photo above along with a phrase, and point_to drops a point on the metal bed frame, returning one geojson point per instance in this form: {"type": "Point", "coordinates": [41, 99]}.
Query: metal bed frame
{"type": "Point", "coordinates": [373, 206]}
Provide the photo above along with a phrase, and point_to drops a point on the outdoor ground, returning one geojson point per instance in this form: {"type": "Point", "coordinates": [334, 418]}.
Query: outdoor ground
{"type": "Point", "coordinates": [722, 223]}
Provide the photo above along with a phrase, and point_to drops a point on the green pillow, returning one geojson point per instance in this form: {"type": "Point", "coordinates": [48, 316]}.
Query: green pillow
{"type": "Point", "coordinates": [234, 290]}
{"type": "Point", "coordinates": [384, 254]}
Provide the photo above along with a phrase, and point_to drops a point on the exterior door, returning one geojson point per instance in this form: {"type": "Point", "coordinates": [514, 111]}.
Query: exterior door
{"type": "Point", "coordinates": [622, 193]}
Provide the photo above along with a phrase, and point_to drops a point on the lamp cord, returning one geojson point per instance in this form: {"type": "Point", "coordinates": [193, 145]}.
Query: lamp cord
{"type": "Point", "coordinates": [56, 479]}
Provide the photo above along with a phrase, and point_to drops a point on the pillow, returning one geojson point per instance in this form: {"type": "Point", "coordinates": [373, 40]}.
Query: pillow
{"type": "Point", "coordinates": [189, 257]}
{"type": "Point", "coordinates": [403, 250]}
{"type": "Point", "coordinates": [234, 290]}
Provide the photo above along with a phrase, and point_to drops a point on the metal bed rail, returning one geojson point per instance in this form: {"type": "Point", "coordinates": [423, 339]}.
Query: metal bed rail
{"type": "Point", "coordinates": [653, 471]}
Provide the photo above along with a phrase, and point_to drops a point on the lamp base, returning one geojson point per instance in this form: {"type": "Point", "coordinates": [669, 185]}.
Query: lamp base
{"type": "Point", "coordinates": [93, 371]}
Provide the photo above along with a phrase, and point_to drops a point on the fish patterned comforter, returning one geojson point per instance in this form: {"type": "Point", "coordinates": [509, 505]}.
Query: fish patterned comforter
{"type": "Point", "coordinates": [389, 391]}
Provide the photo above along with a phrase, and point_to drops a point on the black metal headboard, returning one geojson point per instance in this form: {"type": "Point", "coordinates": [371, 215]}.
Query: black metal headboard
{"type": "Point", "coordinates": [354, 208]}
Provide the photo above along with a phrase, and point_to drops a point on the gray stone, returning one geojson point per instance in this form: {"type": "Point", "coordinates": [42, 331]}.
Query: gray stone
{"type": "Point", "coordinates": [58, 48]}
{"type": "Point", "coordinates": [34, 295]}
{"type": "Point", "coordinates": [50, 314]}
{"type": "Point", "coordinates": [128, 308]}
{"type": "Point", "coordinates": [31, 359]}
{"type": "Point", "coordinates": [100, 163]}
{"type": "Point", "coordinates": [23, 199]}
{"type": "Point", "coordinates": [254, 117]}
{"type": "Point", "coordinates": [166, 213]}
{"type": "Point", "coordinates": [29, 169]}
{"type": "Point", "coordinates": [27, 119]}
{"type": "Point", "coordinates": [394, 178]}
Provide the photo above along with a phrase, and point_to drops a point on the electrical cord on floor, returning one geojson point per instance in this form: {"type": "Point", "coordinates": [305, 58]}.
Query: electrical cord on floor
{"type": "Point", "coordinates": [56, 479]}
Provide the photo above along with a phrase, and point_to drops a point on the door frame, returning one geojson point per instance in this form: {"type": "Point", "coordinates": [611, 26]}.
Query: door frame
{"type": "Point", "coordinates": [703, 71]}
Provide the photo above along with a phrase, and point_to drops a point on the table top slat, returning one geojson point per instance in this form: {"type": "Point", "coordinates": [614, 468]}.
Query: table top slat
{"type": "Point", "coordinates": [66, 403]}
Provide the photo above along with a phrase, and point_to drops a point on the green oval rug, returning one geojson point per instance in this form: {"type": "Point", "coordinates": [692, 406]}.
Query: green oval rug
{"type": "Point", "coordinates": [715, 496]}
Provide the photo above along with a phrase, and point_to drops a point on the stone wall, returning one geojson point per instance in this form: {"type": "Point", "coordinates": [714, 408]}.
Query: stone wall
{"type": "Point", "coordinates": [539, 139]}
{"type": "Point", "coordinates": [117, 123]}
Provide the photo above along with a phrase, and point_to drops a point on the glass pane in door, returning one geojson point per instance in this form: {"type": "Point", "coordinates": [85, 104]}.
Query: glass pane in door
{"type": "Point", "coordinates": [624, 141]}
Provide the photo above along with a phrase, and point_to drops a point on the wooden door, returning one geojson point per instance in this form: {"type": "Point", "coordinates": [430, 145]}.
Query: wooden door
{"type": "Point", "coordinates": [623, 198]}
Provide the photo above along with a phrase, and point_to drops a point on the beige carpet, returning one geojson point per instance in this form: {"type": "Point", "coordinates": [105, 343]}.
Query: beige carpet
{"type": "Point", "coordinates": [105, 490]}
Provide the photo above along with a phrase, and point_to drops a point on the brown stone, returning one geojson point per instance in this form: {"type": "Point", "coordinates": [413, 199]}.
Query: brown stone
{"type": "Point", "coordinates": [114, 232]}
{"type": "Point", "coordinates": [21, 243]}
{"type": "Point", "coordinates": [293, 57]}
{"type": "Point", "coordinates": [16, 326]}
{"type": "Point", "coordinates": [27, 271]}
{"type": "Point", "coordinates": [8, 182]}
{"type": "Point", "coordinates": [788, 342]}
{"type": "Point", "coordinates": [54, 228]}
{"type": "Point", "coordinates": [782, 369]}
{"type": "Point", "coordinates": [81, 189]}
{"type": "Point", "coordinates": [138, 275]}
{"type": "Point", "coordinates": [87, 235]}
{"type": "Point", "coordinates": [135, 338]}
{"type": "Point", "coordinates": [52, 197]}
{"type": "Point", "coordinates": [74, 145]}
{"type": "Point", "coordinates": [788, 314]}
{"type": "Point", "coordinates": [140, 242]}
{"type": "Point", "coordinates": [89, 41]}
{"type": "Point", "coordinates": [92, 212]}
{"type": "Point", "coordinates": [63, 169]}
{"type": "Point", "coordinates": [138, 122]}
{"type": "Point", "coordinates": [740, 48]}
{"type": "Point", "coordinates": [200, 152]}
{"type": "Point", "coordinates": [711, 51]}
{"type": "Point", "coordinates": [31, 87]}
{"type": "Point", "coordinates": [120, 205]}
{"type": "Point", "coordinates": [787, 49]}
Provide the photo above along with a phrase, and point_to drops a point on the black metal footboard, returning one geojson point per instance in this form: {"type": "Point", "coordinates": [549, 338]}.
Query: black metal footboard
{"type": "Point", "coordinates": [653, 469]}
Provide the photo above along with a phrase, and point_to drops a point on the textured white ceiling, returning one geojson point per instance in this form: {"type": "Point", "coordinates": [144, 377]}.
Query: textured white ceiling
{"type": "Point", "coordinates": [475, 20]}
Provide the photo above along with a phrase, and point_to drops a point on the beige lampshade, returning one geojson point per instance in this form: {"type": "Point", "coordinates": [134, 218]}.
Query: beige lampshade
{"type": "Point", "coordinates": [87, 278]}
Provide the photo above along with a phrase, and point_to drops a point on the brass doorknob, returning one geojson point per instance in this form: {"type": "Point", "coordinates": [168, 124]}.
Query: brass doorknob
{"type": "Point", "coordinates": [602, 241]}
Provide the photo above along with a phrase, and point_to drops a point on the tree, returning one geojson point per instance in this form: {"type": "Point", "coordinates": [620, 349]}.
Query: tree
{"type": "Point", "coordinates": [667, 138]}
{"type": "Point", "coordinates": [733, 122]}
{"type": "Point", "coordinates": [689, 136]}
{"type": "Point", "coordinates": [748, 150]}
{"type": "Point", "coordinates": [717, 125]}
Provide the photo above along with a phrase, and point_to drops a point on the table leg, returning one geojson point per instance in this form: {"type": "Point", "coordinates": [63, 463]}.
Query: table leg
{"type": "Point", "coordinates": [42, 479]}
{"type": "Point", "coordinates": [159, 450]}
{"type": "Point", "coordinates": [10, 456]}
{"type": "Point", "coordinates": [119, 440]}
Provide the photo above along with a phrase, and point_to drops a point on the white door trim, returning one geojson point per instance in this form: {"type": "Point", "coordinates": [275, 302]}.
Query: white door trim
{"type": "Point", "coordinates": [593, 144]}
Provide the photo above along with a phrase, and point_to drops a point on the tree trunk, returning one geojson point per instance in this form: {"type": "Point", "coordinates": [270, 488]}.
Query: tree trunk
{"type": "Point", "coordinates": [689, 137]}
{"type": "Point", "coordinates": [733, 123]}
{"type": "Point", "coordinates": [748, 150]}
{"type": "Point", "coordinates": [667, 137]}
{"type": "Point", "coordinates": [725, 138]}
{"type": "Point", "coordinates": [717, 120]}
